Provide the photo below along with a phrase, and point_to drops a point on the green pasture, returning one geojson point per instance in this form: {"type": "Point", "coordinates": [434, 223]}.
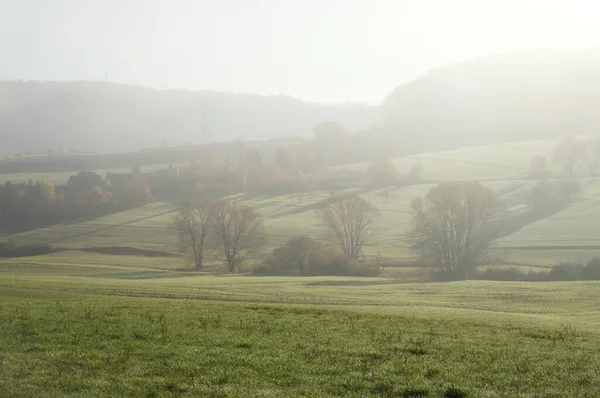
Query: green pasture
{"type": "Point", "coordinates": [69, 330]}
{"type": "Point", "coordinates": [500, 161]}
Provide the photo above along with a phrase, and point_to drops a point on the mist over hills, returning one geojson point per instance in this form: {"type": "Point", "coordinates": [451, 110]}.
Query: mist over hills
{"type": "Point", "coordinates": [510, 97]}
{"type": "Point", "coordinates": [537, 95]}
{"type": "Point", "coordinates": [107, 117]}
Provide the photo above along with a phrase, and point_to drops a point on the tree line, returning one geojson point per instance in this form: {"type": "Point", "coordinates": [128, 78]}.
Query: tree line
{"type": "Point", "coordinates": [572, 154]}
{"type": "Point", "coordinates": [40, 204]}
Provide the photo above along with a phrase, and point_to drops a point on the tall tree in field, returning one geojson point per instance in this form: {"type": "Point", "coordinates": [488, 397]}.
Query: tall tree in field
{"type": "Point", "coordinates": [350, 220]}
{"type": "Point", "coordinates": [192, 225]}
{"type": "Point", "coordinates": [569, 153]}
{"type": "Point", "coordinates": [454, 225]}
{"type": "Point", "coordinates": [236, 232]}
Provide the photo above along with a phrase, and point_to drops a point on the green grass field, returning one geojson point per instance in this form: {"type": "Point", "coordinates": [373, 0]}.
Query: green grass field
{"type": "Point", "coordinates": [95, 330]}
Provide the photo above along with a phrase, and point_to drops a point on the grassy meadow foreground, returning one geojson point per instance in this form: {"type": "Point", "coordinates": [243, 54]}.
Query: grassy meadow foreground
{"type": "Point", "coordinates": [100, 330]}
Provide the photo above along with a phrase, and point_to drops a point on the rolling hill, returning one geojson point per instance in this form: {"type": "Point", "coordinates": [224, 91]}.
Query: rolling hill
{"type": "Point", "coordinates": [504, 98]}
{"type": "Point", "coordinates": [106, 117]}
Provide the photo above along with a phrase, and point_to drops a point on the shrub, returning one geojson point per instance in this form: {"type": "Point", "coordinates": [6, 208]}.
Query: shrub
{"type": "Point", "coordinates": [306, 256]}
{"type": "Point", "coordinates": [572, 271]}
{"type": "Point", "coordinates": [291, 257]}
{"type": "Point", "coordinates": [331, 261]}
{"type": "Point", "coordinates": [547, 197]}
{"type": "Point", "coordinates": [278, 261]}
{"type": "Point", "coordinates": [501, 274]}
{"type": "Point", "coordinates": [11, 249]}
{"type": "Point", "coordinates": [566, 272]}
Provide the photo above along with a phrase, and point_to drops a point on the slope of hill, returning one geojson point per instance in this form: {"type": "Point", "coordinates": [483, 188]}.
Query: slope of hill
{"type": "Point", "coordinates": [106, 117]}
{"type": "Point", "coordinates": [504, 98]}
{"type": "Point", "coordinates": [497, 167]}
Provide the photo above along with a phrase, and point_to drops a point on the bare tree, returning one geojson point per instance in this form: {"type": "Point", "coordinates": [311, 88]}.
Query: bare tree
{"type": "Point", "coordinates": [453, 225]}
{"type": "Point", "coordinates": [592, 156]}
{"type": "Point", "coordinates": [350, 219]}
{"type": "Point", "coordinates": [236, 231]}
{"type": "Point", "coordinates": [569, 153]}
{"type": "Point", "coordinates": [192, 225]}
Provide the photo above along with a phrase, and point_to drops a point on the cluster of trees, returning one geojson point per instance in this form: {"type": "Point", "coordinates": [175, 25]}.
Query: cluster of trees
{"type": "Point", "coordinates": [231, 230]}
{"type": "Point", "coordinates": [350, 222]}
{"type": "Point", "coordinates": [40, 204]}
{"type": "Point", "coordinates": [294, 169]}
{"type": "Point", "coordinates": [454, 225]}
{"type": "Point", "coordinates": [234, 232]}
{"type": "Point", "coordinates": [29, 205]}
{"type": "Point", "coordinates": [574, 153]}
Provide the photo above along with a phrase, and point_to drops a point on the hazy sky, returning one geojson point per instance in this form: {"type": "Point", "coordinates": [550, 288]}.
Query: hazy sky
{"type": "Point", "coordinates": [321, 50]}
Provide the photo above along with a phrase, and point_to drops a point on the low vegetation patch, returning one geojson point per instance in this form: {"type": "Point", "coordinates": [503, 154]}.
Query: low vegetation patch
{"type": "Point", "coordinates": [302, 255]}
{"type": "Point", "coordinates": [588, 271]}
{"type": "Point", "coordinates": [12, 249]}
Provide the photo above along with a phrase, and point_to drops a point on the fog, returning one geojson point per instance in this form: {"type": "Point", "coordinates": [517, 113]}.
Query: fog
{"type": "Point", "coordinates": [326, 50]}
{"type": "Point", "coordinates": [282, 198]}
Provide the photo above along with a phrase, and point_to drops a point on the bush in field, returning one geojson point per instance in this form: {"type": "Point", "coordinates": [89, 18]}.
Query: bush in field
{"type": "Point", "coordinates": [566, 272]}
{"type": "Point", "coordinates": [12, 249]}
{"type": "Point", "coordinates": [538, 164]}
{"type": "Point", "coordinates": [330, 261]}
{"type": "Point", "coordinates": [383, 172]}
{"type": "Point", "coordinates": [302, 255]}
{"type": "Point", "coordinates": [510, 274]}
{"type": "Point", "coordinates": [293, 256]}
{"type": "Point", "coordinates": [277, 262]}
